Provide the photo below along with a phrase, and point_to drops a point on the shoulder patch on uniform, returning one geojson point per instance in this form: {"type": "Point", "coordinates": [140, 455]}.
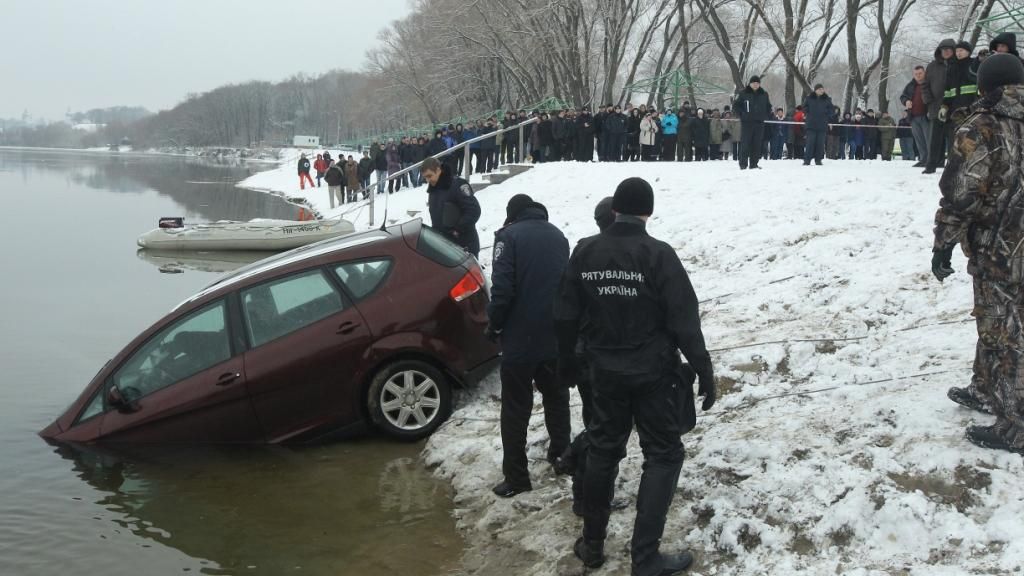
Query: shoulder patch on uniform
{"type": "Point", "coordinates": [499, 249]}
{"type": "Point", "coordinates": [466, 189]}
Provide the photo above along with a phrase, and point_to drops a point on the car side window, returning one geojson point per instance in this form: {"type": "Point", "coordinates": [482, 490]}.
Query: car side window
{"type": "Point", "coordinates": [283, 306]}
{"type": "Point", "coordinates": [195, 343]}
{"type": "Point", "coordinates": [363, 278]}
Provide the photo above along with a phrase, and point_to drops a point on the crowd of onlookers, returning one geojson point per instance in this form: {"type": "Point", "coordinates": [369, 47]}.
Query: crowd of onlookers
{"type": "Point", "coordinates": [933, 102]}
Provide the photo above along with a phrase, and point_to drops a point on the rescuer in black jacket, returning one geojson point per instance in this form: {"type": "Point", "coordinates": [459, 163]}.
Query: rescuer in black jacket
{"type": "Point", "coordinates": [530, 255]}
{"type": "Point", "coordinates": [634, 303]}
{"type": "Point", "coordinates": [454, 209]}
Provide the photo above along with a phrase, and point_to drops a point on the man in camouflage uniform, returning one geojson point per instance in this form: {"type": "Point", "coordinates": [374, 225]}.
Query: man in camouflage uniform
{"type": "Point", "coordinates": [982, 209]}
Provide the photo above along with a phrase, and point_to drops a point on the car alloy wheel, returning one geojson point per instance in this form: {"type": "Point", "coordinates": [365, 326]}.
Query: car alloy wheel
{"type": "Point", "coordinates": [409, 399]}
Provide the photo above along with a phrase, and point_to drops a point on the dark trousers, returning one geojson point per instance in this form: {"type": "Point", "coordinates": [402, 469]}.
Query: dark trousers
{"type": "Point", "coordinates": [815, 148]}
{"type": "Point", "coordinates": [612, 147]}
{"type": "Point", "coordinates": [937, 144]}
{"type": "Point", "coordinates": [751, 136]}
{"type": "Point", "coordinates": [668, 148]}
{"type": "Point", "coordinates": [686, 150]}
{"type": "Point", "coordinates": [653, 404]}
{"type": "Point", "coordinates": [517, 382]}
{"type": "Point", "coordinates": [509, 148]}
{"type": "Point", "coordinates": [700, 153]}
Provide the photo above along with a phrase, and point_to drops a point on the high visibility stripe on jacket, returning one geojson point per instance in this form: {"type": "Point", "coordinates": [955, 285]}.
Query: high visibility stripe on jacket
{"type": "Point", "coordinates": [961, 90]}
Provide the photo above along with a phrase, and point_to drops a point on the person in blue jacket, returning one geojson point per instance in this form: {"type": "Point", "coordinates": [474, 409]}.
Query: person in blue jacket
{"type": "Point", "coordinates": [670, 131]}
{"type": "Point", "coordinates": [454, 209]}
{"type": "Point", "coordinates": [530, 255]}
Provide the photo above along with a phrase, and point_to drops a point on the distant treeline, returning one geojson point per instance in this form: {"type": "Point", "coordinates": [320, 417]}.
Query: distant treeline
{"type": "Point", "coordinates": [336, 106]}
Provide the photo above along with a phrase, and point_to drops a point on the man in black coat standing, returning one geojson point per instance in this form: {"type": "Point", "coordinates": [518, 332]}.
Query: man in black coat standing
{"type": "Point", "coordinates": [817, 108]}
{"type": "Point", "coordinates": [529, 258]}
{"type": "Point", "coordinates": [753, 107]}
{"type": "Point", "coordinates": [631, 298]}
{"type": "Point", "coordinates": [614, 130]}
{"type": "Point", "coordinates": [933, 95]}
{"type": "Point", "coordinates": [454, 209]}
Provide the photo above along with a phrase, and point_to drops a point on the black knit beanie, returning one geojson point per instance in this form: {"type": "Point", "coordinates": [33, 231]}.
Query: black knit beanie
{"type": "Point", "coordinates": [965, 45]}
{"type": "Point", "coordinates": [635, 197]}
{"type": "Point", "coordinates": [516, 205]}
{"type": "Point", "coordinates": [603, 214]}
{"type": "Point", "coordinates": [999, 70]}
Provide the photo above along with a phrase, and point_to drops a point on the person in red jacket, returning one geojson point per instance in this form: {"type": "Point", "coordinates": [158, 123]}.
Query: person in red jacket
{"type": "Point", "coordinates": [321, 168]}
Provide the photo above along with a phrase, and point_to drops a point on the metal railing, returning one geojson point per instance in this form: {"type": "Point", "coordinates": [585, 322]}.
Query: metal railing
{"type": "Point", "coordinates": [467, 165]}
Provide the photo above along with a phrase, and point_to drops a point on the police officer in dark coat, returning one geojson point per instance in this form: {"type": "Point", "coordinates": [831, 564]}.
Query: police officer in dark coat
{"type": "Point", "coordinates": [817, 109]}
{"type": "Point", "coordinates": [454, 209]}
{"type": "Point", "coordinates": [753, 107]}
{"type": "Point", "coordinates": [634, 303]}
{"type": "Point", "coordinates": [530, 255]}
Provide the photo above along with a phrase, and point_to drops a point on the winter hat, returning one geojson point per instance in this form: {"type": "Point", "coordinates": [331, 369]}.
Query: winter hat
{"type": "Point", "coordinates": [603, 215]}
{"type": "Point", "coordinates": [965, 45]}
{"type": "Point", "coordinates": [634, 197]}
{"type": "Point", "coordinates": [516, 205]}
{"type": "Point", "coordinates": [754, 79]}
{"type": "Point", "coordinates": [819, 85]}
{"type": "Point", "coordinates": [1008, 38]}
{"type": "Point", "coordinates": [999, 70]}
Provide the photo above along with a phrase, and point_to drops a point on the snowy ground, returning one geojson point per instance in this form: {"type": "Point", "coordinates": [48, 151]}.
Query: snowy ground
{"type": "Point", "coordinates": [833, 449]}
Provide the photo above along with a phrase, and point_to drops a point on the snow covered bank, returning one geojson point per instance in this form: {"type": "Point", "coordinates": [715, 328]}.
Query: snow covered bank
{"type": "Point", "coordinates": [834, 448]}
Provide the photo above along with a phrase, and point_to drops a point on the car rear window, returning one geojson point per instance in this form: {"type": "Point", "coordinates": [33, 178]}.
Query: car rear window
{"type": "Point", "coordinates": [439, 249]}
{"type": "Point", "coordinates": [362, 278]}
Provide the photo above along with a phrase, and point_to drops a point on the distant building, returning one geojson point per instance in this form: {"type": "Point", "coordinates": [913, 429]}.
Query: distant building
{"type": "Point", "coordinates": [306, 141]}
{"type": "Point", "coordinates": [86, 127]}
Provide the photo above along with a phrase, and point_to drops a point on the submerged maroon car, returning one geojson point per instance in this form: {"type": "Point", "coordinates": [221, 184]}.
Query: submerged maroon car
{"type": "Point", "coordinates": [377, 326]}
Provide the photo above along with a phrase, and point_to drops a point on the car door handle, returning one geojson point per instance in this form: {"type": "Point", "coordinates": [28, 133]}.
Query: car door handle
{"type": "Point", "coordinates": [347, 327]}
{"type": "Point", "coordinates": [228, 378]}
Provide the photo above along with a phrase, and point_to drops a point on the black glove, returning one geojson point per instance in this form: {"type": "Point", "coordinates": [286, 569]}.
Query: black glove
{"type": "Point", "coordinates": [941, 265]}
{"type": "Point", "coordinates": [568, 371]}
{"type": "Point", "coordinates": [491, 334]}
{"type": "Point", "coordinates": [706, 388]}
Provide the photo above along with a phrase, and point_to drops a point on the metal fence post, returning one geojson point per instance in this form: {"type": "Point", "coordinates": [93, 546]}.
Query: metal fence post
{"type": "Point", "coordinates": [373, 199]}
{"type": "Point", "coordinates": [466, 167]}
{"type": "Point", "coordinates": [519, 150]}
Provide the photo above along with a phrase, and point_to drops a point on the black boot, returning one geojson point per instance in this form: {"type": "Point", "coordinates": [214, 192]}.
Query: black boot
{"type": "Point", "coordinates": [964, 397]}
{"type": "Point", "coordinates": [507, 490]}
{"type": "Point", "coordinates": [591, 552]}
{"type": "Point", "coordinates": [989, 437]}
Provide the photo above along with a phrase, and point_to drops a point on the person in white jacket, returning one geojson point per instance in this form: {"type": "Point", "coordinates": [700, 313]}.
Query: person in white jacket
{"type": "Point", "coordinates": [648, 135]}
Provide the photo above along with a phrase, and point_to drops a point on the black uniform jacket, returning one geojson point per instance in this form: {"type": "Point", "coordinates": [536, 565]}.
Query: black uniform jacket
{"type": "Point", "coordinates": [530, 256]}
{"type": "Point", "coordinates": [454, 210]}
{"type": "Point", "coordinates": [634, 303]}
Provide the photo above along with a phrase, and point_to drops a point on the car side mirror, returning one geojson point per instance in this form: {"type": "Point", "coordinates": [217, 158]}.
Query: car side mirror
{"type": "Point", "coordinates": [117, 400]}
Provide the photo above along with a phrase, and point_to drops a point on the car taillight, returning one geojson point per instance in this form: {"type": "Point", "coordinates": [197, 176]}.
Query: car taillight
{"type": "Point", "coordinates": [470, 284]}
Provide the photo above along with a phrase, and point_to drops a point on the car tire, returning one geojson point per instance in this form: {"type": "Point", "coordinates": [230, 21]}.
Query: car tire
{"type": "Point", "coordinates": [409, 399]}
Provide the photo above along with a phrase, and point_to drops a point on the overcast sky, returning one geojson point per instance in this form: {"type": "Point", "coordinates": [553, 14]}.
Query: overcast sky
{"type": "Point", "coordinates": [82, 54]}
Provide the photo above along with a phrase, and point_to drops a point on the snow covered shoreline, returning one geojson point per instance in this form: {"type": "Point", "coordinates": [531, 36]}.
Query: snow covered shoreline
{"type": "Point", "coordinates": [833, 448]}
